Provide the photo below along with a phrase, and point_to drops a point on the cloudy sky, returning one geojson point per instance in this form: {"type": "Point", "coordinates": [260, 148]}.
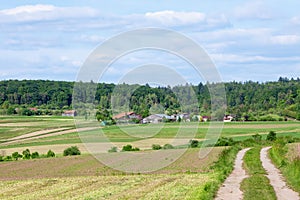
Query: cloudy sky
{"type": "Point", "coordinates": [247, 40]}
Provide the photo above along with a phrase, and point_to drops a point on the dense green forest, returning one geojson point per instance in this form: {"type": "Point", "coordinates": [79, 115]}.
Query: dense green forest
{"type": "Point", "coordinates": [247, 101]}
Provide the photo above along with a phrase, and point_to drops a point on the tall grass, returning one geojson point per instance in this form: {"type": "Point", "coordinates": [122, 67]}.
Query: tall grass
{"type": "Point", "coordinates": [289, 168]}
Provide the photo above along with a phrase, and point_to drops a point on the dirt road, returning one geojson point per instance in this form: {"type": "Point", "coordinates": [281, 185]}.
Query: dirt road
{"type": "Point", "coordinates": [276, 179]}
{"type": "Point", "coordinates": [231, 187]}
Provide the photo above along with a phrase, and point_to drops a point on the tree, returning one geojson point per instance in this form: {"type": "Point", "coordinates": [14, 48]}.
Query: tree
{"type": "Point", "coordinates": [26, 154]}
{"type": "Point", "coordinates": [16, 155]}
{"type": "Point", "coordinates": [35, 155]}
{"type": "Point", "coordinates": [271, 136]}
{"type": "Point", "coordinates": [50, 154]}
{"type": "Point", "coordinates": [71, 151]}
{"type": "Point", "coordinates": [156, 147]}
{"type": "Point", "coordinates": [194, 143]}
{"type": "Point", "coordinates": [129, 147]}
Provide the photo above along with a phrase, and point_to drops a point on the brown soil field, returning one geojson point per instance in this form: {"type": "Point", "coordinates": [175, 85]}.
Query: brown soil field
{"type": "Point", "coordinates": [87, 165]}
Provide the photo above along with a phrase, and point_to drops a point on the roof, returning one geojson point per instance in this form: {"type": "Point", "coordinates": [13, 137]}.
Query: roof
{"type": "Point", "coordinates": [124, 114]}
{"type": "Point", "coordinates": [159, 116]}
{"type": "Point", "coordinates": [69, 112]}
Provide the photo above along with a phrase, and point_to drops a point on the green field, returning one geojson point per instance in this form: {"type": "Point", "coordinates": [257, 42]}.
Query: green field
{"type": "Point", "coordinates": [11, 127]}
{"type": "Point", "coordinates": [84, 177]}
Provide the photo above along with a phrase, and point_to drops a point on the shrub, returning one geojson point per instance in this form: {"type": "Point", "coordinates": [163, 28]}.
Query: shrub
{"type": "Point", "coordinates": [71, 151]}
{"type": "Point", "coordinates": [1, 159]}
{"type": "Point", "coordinates": [8, 158]}
{"type": "Point", "coordinates": [224, 141]}
{"type": "Point", "coordinates": [257, 137]}
{"type": "Point", "coordinates": [35, 155]}
{"type": "Point", "coordinates": [168, 146]}
{"type": "Point", "coordinates": [194, 143]}
{"type": "Point", "coordinates": [50, 154]}
{"type": "Point", "coordinates": [113, 149]}
{"type": "Point", "coordinates": [129, 147]}
{"type": "Point", "coordinates": [16, 155]}
{"type": "Point", "coordinates": [156, 147]}
{"type": "Point", "coordinates": [271, 136]}
{"type": "Point", "coordinates": [26, 154]}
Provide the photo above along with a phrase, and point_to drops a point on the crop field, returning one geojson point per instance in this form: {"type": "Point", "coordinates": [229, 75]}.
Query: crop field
{"type": "Point", "coordinates": [84, 177]}
{"type": "Point", "coordinates": [60, 132]}
{"type": "Point", "coordinates": [177, 186]}
{"type": "Point", "coordinates": [87, 165]}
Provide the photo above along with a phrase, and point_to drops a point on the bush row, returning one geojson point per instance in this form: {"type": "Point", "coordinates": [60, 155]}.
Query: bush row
{"type": "Point", "coordinates": [26, 154]}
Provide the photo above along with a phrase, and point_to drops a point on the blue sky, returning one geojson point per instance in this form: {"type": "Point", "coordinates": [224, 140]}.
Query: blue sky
{"type": "Point", "coordinates": [247, 40]}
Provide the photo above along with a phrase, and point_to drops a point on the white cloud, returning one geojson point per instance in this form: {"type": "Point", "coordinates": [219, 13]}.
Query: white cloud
{"type": "Point", "coordinates": [236, 58]}
{"type": "Point", "coordinates": [41, 12]}
{"type": "Point", "coordinates": [295, 20]}
{"type": "Point", "coordinates": [169, 18]}
{"type": "Point", "coordinates": [91, 38]}
{"type": "Point", "coordinates": [172, 18]}
{"type": "Point", "coordinates": [234, 35]}
{"type": "Point", "coordinates": [253, 10]}
{"type": "Point", "coordinates": [285, 39]}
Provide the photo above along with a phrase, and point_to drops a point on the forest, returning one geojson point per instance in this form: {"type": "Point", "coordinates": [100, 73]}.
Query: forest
{"type": "Point", "coordinates": [248, 100]}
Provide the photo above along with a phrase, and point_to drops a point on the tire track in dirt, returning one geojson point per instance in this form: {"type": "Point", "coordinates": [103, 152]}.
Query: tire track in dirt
{"type": "Point", "coordinates": [231, 187]}
{"type": "Point", "coordinates": [276, 180]}
{"type": "Point", "coordinates": [44, 134]}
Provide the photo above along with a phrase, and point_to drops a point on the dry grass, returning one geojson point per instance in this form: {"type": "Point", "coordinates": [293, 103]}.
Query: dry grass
{"type": "Point", "coordinates": [179, 186]}
{"type": "Point", "coordinates": [87, 165]}
{"type": "Point", "coordinates": [293, 151]}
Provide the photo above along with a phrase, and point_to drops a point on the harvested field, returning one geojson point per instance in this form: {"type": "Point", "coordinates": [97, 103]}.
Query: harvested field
{"type": "Point", "coordinates": [87, 165]}
{"type": "Point", "coordinates": [179, 186]}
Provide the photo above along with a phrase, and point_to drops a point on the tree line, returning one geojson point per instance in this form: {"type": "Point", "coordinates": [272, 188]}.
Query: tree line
{"type": "Point", "coordinates": [246, 100]}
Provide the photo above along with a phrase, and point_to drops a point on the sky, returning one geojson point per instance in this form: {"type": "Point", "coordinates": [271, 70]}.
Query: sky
{"type": "Point", "coordinates": [246, 40]}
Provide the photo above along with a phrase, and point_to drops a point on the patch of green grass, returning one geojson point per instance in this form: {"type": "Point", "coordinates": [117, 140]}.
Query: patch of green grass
{"type": "Point", "coordinates": [252, 163]}
{"type": "Point", "coordinates": [289, 168]}
{"type": "Point", "coordinates": [257, 186]}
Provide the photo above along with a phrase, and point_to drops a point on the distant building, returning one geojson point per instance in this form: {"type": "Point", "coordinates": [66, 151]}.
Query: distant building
{"type": "Point", "coordinates": [184, 117]}
{"type": "Point", "coordinates": [33, 109]}
{"type": "Point", "coordinates": [157, 118]}
{"type": "Point", "coordinates": [228, 118]}
{"type": "Point", "coordinates": [125, 117]}
{"type": "Point", "coordinates": [205, 118]}
{"type": "Point", "coordinates": [69, 113]}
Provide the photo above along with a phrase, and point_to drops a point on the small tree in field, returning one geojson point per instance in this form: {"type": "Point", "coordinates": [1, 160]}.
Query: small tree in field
{"type": "Point", "coordinates": [156, 147]}
{"type": "Point", "coordinates": [129, 147]}
{"type": "Point", "coordinates": [35, 155]}
{"type": "Point", "coordinates": [16, 155]}
{"type": "Point", "coordinates": [271, 136]}
{"type": "Point", "coordinates": [26, 154]}
{"type": "Point", "coordinates": [50, 154]}
{"type": "Point", "coordinates": [194, 143]}
{"type": "Point", "coordinates": [71, 151]}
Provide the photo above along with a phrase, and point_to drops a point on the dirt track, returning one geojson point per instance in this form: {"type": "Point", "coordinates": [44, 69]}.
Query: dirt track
{"type": "Point", "coordinates": [276, 179]}
{"type": "Point", "coordinates": [230, 188]}
{"type": "Point", "coordinates": [43, 134]}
